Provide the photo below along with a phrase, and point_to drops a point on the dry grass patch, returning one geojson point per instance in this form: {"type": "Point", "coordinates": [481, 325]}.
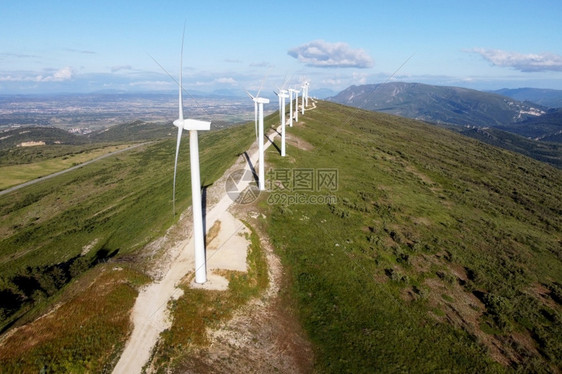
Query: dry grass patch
{"type": "Point", "coordinates": [83, 333]}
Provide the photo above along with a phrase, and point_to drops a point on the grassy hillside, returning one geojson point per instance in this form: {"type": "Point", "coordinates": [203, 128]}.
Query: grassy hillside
{"type": "Point", "coordinates": [53, 231]}
{"type": "Point", "coordinates": [551, 153]}
{"type": "Point", "coordinates": [48, 135]}
{"type": "Point", "coordinates": [440, 254]}
{"type": "Point", "coordinates": [134, 131]}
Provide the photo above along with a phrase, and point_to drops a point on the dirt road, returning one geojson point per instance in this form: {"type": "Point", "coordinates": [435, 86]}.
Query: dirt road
{"type": "Point", "coordinates": [150, 314]}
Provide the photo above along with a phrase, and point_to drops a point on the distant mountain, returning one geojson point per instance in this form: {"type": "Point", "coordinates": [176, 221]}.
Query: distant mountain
{"type": "Point", "coordinates": [226, 92]}
{"type": "Point", "coordinates": [542, 96]}
{"type": "Point", "coordinates": [439, 104]}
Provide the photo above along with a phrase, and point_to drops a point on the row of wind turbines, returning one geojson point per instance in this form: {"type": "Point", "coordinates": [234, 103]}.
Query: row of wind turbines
{"type": "Point", "coordinates": [193, 126]}
{"type": "Point", "coordinates": [282, 94]}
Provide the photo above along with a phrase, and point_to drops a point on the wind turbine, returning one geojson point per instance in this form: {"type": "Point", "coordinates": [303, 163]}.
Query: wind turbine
{"type": "Point", "coordinates": [296, 92]}
{"type": "Point", "coordinates": [282, 96]}
{"type": "Point", "coordinates": [258, 114]}
{"type": "Point", "coordinates": [306, 84]}
{"type": "Point", "coordinates": [192, 125]}
{"type": "Point", "coordinates": [303, 98]}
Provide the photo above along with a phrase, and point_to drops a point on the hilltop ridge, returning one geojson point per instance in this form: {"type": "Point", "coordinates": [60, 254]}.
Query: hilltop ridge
{"type": "Point", "coordinates": [438, 243]}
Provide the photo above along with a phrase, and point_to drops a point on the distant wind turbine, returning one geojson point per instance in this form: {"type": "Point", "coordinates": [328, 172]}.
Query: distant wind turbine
{"type": "Point", "coordinates": [258, 115]}
{"type": "Point", "coordinates": [282, 96]}
{"type": "Point", "coordinates": [303, 98]}
{"type": "Point", "coordinates": [192, 125]}
{"type": "Point", "coordinates": [296, 92]}
{"type": "Point", "coordinates": [306, 84]}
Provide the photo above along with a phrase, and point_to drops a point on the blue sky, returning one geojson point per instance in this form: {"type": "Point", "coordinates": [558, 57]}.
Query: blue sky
{"type": "Point", "coordinates": [86, 46]}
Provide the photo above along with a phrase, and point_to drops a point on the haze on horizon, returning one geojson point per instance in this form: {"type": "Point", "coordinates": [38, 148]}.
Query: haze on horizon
{"type": "Point", "coordinates": [77, 47]}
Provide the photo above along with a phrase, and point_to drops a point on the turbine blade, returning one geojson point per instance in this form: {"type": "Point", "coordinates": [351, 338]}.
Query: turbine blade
{"type": "Point", "coordinates": [163, 69]}
{"type": "Point", "coordinates": [249, 94]}
{"type": "Point", "coordinates": [181, 76]}
{"type": "Point", "coordinates": [180, 129]}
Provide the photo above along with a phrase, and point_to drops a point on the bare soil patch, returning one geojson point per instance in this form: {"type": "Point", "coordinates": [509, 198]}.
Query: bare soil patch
{"type": "Point", "coordinates": [262, 337]}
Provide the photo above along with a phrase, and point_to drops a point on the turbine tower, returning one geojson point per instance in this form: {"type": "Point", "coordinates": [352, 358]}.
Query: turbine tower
{"type": "Point", "coordinates": [258, 114]}
{"type": "Point", "coordinates": [306, 84]}
{"type": "Point", "coordinates": [291, 91]}
{"type": "Point", "coordinates": [193, 125]}
{"type": "Point", "coordinates": [303, 98]}
{"type": "Point", "coordinates": [282, 96]}
{"type": "Point", "coordinates": [297, 105]}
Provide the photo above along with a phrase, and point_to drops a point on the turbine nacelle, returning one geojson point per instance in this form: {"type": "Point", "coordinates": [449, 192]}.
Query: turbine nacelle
{"type": "Point", "coordinates": [260, 100]}
{"type": "Point", "coordinates": [192, 124]}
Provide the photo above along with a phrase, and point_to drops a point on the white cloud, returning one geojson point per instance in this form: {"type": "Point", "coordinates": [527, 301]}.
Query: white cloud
{"type": "Point", "coordinates": [333, 82]}
{"type": "Point", "coordinates": [522, 62]}
{"type": "Point", "coordinates": [58, 76]}
{"type": "Point", "coordinates": [225, 80]}
{"type": "Point", "coordinates": [319, 53]}
{"type": "Point", "coordinates": [117, 68]}
{"type": "Point", "coordinates": [360, 78]}
{"type": "Point", "coordinates": [63, 74]}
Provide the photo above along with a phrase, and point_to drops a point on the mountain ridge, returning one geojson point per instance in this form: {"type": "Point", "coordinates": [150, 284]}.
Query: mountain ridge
{"type": "Point", "coordinates": [438, 104]}
{"type": "Point", "coordinates": [542, 96]}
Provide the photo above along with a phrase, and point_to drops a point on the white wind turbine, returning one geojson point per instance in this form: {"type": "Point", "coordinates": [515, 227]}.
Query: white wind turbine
{"type": "Point", "coordinates": [258, 114]}
{"type": "Point", "coordinates": [296, 92]}
{"type": "Point", "coordinates": [282, 96]}
{"type": "Point", "coordinates": [303, 98]}
{"type": "Point", "coordinates": [306, 84]}
{"type": "Point", "coordinates": [193, 125]}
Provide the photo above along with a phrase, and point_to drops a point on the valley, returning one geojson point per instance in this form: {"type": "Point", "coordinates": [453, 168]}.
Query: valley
{"type": "Point", "coordinates": [86, 113]}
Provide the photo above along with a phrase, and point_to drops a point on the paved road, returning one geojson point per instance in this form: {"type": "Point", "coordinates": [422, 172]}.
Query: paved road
{"type": "Point", "coordinates": [40, 179]}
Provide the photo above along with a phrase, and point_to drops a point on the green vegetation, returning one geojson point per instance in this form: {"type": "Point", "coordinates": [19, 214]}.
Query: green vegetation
{"type": "Point", "coordinates": [87, 332]}
{"type": "Point", "coordinates": [499, 121]}
{"type": "Point", "coordinates": [439, 253]}
{"type": "Point", "coordinates": [134, 131]}
{"type": "Point", "coordinates": [551, 153]}
{"type": "Point", "coordinates": [54, 230]}
{"type": "Point", "coordinates": [191, 319]}
{"type": "Point", "coordinates": [439, 250]}
{"type": "Point", "coordinates": [25, 164]}
{"type": "Point", "coordinates": [49, 135]}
